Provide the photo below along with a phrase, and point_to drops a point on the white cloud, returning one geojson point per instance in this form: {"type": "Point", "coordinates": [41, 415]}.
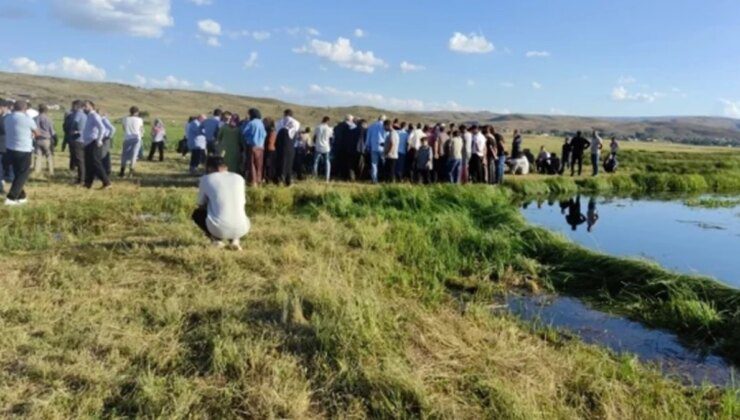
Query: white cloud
{"type": "Point", "coordinates": [349, 97]}
{"type": "Point", "coordinates": [202, 2]}
{"type": "Point", "coordinates": [75, 68]}
{"type": "Point", "coordinates": [211, 87]}
{"type": "Point", "coordinates": [343, 54]}
{"type": "Point", "coordinates": [169, 82]}
{"type": "Point", "coordinates": [470, 44]}
{"type": "Point", "coordinates": [407, 67]}
{"type": "Point", "coordinates": [536, 85]}
{"type": "Point", "coordinates": [359, 33]}
{"type": "Point", "coordinates": [621, 94]}
{"type": "Point", "coordinates": [557, 111]}
{"type": "Point", "coordinates": [731, 108]}
{"type": "Point", "coordinates": [209, 27]}
{"type": "Point", "coordinates": [537, 54]}
{"type": "Point", "coordinates": [313, 32]}
{"type": "Point", "coordinates": [251, 61]}
{"type": "Point", "coordinates": [626, 80]}
{"type": "Point", "coordinates": [261, 35]}
{"type": "Point", "coordinates": [144, 18]}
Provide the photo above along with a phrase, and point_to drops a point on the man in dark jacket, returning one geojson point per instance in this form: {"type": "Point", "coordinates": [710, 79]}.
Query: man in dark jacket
{"type": "Point", "coordinates": [345, 147]}
{"type": "Point", "coordinates": [579, 144]}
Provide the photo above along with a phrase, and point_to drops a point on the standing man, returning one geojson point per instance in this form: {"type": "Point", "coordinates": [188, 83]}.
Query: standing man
{"type": "Point", "coordinates": [374, 143]}
{"type": "Point", "coordinates": [596, 145]}
{"type": "Point", "coordinates": [210, 130]}
{"type": "Point", "coordinates": [322, 148]}
{"type": "Point", "coordinates": [467, 154]}
{"type": "Point", "coordinates": [288, 128]}
{"type": "Point", "coordinates": [254, 135]}
{"type": "Point", "coordinates": [343, 147]}
{"type": "Point", "coordinates": [20, 130]}
{"type": "Point", "coordinates": [110, 133]}
{"type": "Point", "coordinates": [74, 126]}
{"type": "Point", "coordinates": [578, 145]}
{"type": "Point", "coordinates": [403, 145]}
{"type": "Point", "coordinates": [44, 142]}
{"type": "Point", "coordinates": [196, 143]}
{"type": "Point", "coordinates": [454, 158]}
{"type": "Point", "coordinates": [566, 155]}
{"type": "Point", "coordinates": [390, 153]}
{"type": "Point", "coordinates": [133, 136]}
{"type": "Point", "coordinates": [415, 136]}
{"type": "Point", "coordinates": [4, 160]}
{"type": "Point", "coordinates": [478, 153]}
{"type": "Point", "coordinates": [440, 153]}
{"type": "Point", "coordinates": [92, 137]}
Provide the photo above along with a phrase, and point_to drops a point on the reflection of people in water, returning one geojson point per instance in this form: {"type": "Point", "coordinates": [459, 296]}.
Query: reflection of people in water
{"type": "Point", "coordinates": [592, 216]}
{"type": "Point", "coordinates": [575, 217]}
{"type": "Point", "coordinates": [565, 205]}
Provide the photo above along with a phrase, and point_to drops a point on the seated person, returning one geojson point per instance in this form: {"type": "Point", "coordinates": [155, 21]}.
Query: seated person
{"type": "Point", "coordinates": [543, 161]}
{"type": "Point", "coordinates": [610, 164]}
{"type": "Point", "coordinates": [221, 201]}
{"type": "Point", "coordinates": [554, 167]}
{"type": "Point", "coordinates": [519, 166]}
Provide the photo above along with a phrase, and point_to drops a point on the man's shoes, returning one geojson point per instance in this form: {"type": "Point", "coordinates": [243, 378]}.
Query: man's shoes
{"type": "Point", "coordinates": [218, 244]}
{"type": "Point", "coordinates": [9, 202]}
{"type": "Point", "coordinates": [235, 245]}
{"type": "Point", "coordinates": [106, 187]}
{"type": "Point", "coordinates": [22, 201]}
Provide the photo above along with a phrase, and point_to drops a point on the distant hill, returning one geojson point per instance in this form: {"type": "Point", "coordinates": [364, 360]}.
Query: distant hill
{"type": "Point", "coordinates": [176, 105]}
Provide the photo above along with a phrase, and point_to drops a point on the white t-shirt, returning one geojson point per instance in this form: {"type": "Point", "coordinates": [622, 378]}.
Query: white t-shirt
{"type": "Point", "coordinates": [223, 193]}
{"type": "Point", "coordinates": [133, 128]}
{"type": "Point", "coordinates": [479, 144]}
{"type": "Point", "coordinates": [324, 134]}
{"type": "Point", "coordinates": [596, 144]}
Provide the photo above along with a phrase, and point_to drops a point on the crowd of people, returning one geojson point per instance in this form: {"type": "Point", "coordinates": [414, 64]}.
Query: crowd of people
{"type": "Point", "coordinates": [263, 150]}
{"type": "Point", "coordinates": [268, 151]}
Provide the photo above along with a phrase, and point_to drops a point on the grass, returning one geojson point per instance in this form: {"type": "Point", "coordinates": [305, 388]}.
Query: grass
{"type": "Point", "coordinates": [348, 301]}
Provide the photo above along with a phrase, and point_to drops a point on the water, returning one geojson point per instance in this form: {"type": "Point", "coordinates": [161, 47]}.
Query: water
{"type": "Point", "coordinates": [624, 336]}
{"type": "Point", "coordinates": [687, 239]}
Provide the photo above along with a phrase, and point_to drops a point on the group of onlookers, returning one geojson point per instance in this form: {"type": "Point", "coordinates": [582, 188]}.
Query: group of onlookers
{"type": "Point", "coordinates": [572, 156]}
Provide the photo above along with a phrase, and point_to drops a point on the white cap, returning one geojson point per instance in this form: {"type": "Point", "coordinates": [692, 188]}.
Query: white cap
{"type": "Point", "coordinates": [349, 117]}
{"type": "Point", "coordinates": [382, 118]}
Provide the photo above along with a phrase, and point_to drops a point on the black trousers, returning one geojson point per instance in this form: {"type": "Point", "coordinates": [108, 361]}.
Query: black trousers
{"type": "Point", "coordinates": [424, 176]}
{"type": "Point", "coordinates": [157, 146]}
{"type": "Point", "coordinates": [21, 162]}
{"type": "Point", "coordinates": [285, 156]}
{"type": "Point", "coordinates": [477, 172]}
{"type": "Point", "coordinates": [77, 154]}
{"type": "Point", "coordinates": [576, 159]}
{"type": "Point", "coordinates": [389, 170]}
{"type": "Point", "coordinates": [94, 165]}
{"type": "Point", "coordinates": [199, 218]}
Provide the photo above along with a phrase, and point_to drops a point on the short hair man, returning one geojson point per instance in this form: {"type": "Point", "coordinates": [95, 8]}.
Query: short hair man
{"type": "Point", "coordinates": [221, 211]}
{"type": "Point", "coordinates": [20, 131]}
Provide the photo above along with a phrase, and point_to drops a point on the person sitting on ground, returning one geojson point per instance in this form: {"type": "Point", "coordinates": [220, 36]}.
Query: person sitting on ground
{"type": "Point", "coordinates": [554, 167]}
{"type": "Point", "coordinates": [519, 166]}
{"type": "Point", "coordinates": [611, 164]}
{"type": "Point", "coordinates": [543, 161]}
{"type": "Point", "coordinates": [221, 213]}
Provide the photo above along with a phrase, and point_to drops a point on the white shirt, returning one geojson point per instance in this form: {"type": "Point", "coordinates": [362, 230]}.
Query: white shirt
{"type": "Point", "coordinates": [291, 124]}
{"type": "Point", "coordinates": [393, 149]}
{"type": "Point", "coordinates": [324, 134]}
{"type": "Point", "coordinates": [415, 139]}
{"type": "Point", "coordinates": [479, 144]}
{"type": "Point", "coordinates": [467, 145]}
{"type": "Point", "coordinates": [133, 128]}
{"type": "Point", "coordinates": [596, 142]}
{"type": "Point", "coordinates": [223, 193]}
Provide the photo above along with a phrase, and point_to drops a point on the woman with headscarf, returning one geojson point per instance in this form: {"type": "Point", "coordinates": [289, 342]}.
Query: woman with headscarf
{"type": "Point", "coordinates": [228, 139]}
{"type": "Point", "coordinates": [254, 134]}
{"type": "Point", "coordinates": [159, 135]}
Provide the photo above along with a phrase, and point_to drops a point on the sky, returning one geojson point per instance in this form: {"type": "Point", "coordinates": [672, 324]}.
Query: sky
{"type": "Point", "coordinates": [574, 57]}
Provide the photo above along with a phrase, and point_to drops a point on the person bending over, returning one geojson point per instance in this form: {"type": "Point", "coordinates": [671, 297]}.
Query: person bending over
{"type": "Point", "coordinates": [221, 201]}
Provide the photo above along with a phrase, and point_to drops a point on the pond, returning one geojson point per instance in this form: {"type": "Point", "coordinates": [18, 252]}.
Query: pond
{"type": "Point", "coordinates": [625, 336]}
{"type": "Point", "coordinates": [692, 240]}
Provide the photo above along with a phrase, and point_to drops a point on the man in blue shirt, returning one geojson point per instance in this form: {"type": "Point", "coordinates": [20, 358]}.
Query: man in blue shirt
{"type": "Point", "coordinates": [20, 131]}
{"type": "Point", "coordinates": [210, 130]}
{"type": "Point", "coordinates": [403, 144]}
{"type": "Point", "coordinates": [254, 135]}
{"type": "Point", "coordinates": [74, 124]}
{"type": "Point", "coordinates": [374, 143]}
{"type": "Point", "coordinates": [92, 138]}
{"type": "Point", "coordinates": [196, 143]}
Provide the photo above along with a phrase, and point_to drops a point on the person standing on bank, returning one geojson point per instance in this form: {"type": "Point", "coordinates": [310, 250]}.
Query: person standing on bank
{"type": "Point", "coordinates": [75, 125]}
{"type": "Point", "coordinates": [254, 135]}
{"type": "Point", "coordinates": [44, 150]}
{"type": "Point", "coordinates": [20, 130]}
{"type": "Point", "coordinates": [159, 135]}
{"type": "Point", "coordinates": [133, 132]}
{"type": "Point", "coordinates": [287, 130]}
{"type": "Point", "coordinates": [92, 138]}
{"type": "Point", "coordinates": [221, 213]}
{"type": "Point", "coordinates": [196, 143]}
{"type": "Point", "coordinates": [322, 148]}
{"type": "Point", "coordinates": [596, 145]}
{"type": "Point", "coordinates": [578, 145]}
{"type": "Point", "coordinates": [566, 155]}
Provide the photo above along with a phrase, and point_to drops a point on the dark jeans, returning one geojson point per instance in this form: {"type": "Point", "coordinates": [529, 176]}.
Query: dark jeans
{"type": "Point", "coordinates": [21, 162]}
{"type": "Point", "coordinates": [94, 165]}
{"type": "Point", "coordinates": [424, 176]}
{"type": "Point", "coordinates": [389, 170]}
{"type": "Point", "coordinates": [6, 167]}
{"type": "Point", "coordinates": [157, 147]}
{"type": "Point", "coordinates": [477, 169]}
{"type": "Point", "coordinates": [199, 217]}
{"type": "Point", "coordinates": [595, 160]}
{"type": "Point", "coordinates": [77, 153]}
{"type": "Point", "coordinates": [453, 170]}
{"type": "Point", "coordinates": [492, 172]}
{"type": "Point", "coordinates": [106, 163]}
{"type": "Point", "coordinates": [576, 159]}
{"type": "Point", "coordinates": [565, 163]}
{"type": "Point", "coordinates": [197, 157]}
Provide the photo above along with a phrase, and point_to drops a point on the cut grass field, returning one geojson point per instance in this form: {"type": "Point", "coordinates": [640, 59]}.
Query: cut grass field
{"type": "Point", "coordinates": [348, 301]}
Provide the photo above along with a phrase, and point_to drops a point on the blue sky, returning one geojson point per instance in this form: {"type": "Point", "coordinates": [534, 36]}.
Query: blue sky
{"type": "Point", "coordinates": [577, 57]}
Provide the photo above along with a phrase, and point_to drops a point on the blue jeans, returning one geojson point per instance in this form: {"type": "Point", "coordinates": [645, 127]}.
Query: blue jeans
{"type": "Point", "coordinates": [376, 159]}
{"type": "Point", "coordinates": [453, 170]}
{"type": "Point", "coordinates": [327, 164]}
{"type": "Point", "coordinates": [401, 166]}
{"type": "Point", "coordinates": [500, 169]}
{"type": "Point", "coordinates": [595, 159]}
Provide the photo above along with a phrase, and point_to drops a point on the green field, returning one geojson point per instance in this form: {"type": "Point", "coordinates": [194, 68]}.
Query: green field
{"type": "Point", "coordinates": [347, 301]}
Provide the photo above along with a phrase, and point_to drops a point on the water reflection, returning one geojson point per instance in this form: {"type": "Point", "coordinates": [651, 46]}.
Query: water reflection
{"type": "Point", "coordinates": [692, 240]}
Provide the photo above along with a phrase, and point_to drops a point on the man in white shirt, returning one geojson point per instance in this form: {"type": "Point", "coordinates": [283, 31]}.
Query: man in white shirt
{"type": "Point", "coordinates": [133, 136]}
{"type": "Point", "coordinates": [20, 131]}
{"type": "Point", "coordinates": [322, 148]}
{"type": "Point", "coordinates": [596, 145]}
{"type": "Point", "coordinates": [467, 154]}
{"type": "Point", "coordinates": [477, 161]}
{"type": "Point", "coordinates": [221, 210]}
{"type": "Point", "coordinates": [287, 129]}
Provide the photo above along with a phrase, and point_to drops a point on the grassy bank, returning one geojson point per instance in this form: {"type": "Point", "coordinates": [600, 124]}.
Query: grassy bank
{"type": "Point", "coordinates": [345, 303]}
